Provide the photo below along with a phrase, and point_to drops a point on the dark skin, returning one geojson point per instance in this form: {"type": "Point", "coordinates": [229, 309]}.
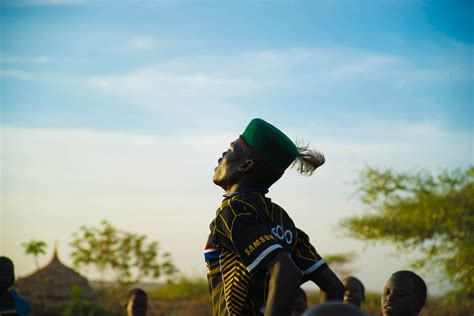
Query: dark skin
{"type": "Point", "coordinates": [238, 170]}
{"type": "Point", "coordinates": [334, 309]}
{"type": "Point", "coordinates": [353, 292]}
{"type": "Point", "coordinates": [137, 305]}
{"type": "Point", "coordinates": [399, 298]}
{"type": "Point", "coordinates": [331, 287]}
{"type": "Point", "coordinates": [285, 280]}
{"type": "Point", "coordinates": [300, 304]}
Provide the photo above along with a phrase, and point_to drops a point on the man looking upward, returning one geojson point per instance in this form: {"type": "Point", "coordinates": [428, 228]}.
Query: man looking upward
{"type": "Point", "coordinates": [257, 258]}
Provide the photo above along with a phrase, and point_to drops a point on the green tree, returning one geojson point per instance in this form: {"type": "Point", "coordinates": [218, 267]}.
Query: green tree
{"type": "Point", "coordinates": [433, 214]}
{"type": "Point", "coordinates": [35, 248]}
{"type": "Point", "coordinates": [184, 288]}
{"type": "Point", "coordinates": [127, 255]}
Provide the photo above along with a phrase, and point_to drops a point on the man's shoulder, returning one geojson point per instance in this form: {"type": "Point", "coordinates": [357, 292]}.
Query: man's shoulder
{"type": "Point", "coordinates": [241, 204]}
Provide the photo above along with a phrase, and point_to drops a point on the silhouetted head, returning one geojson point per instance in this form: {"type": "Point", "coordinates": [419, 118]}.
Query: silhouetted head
{"type": "Point", "coordinates": [354, 291]}
{"type": "Point", "coordinates": [300, 304]}
{"type": "Point", "coordinates": [404, 294]}
{"type": "Point", "coordinates": [137, 303]}
{"type": "Point", "coordinates": [7, 273]}
{"type": "Point", "coordinates": [333, 309]}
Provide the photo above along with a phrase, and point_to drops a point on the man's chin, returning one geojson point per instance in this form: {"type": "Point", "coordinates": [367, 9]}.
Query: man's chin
{"type": "Point", "coordinates": [389, 311]}
{"type": "Point", "coordinates": [217, 181]}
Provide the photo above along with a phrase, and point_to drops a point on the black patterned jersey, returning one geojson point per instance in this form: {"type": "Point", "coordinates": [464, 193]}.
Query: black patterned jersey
{"type": "Point", "coordinates": [248, 230]}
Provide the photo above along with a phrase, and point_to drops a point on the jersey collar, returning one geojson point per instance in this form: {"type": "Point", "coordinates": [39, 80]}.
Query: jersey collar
{"type": "Point", "coordinates": [231, 195]}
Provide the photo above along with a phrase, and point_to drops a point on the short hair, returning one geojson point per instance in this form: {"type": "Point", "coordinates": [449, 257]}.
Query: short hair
{"type": "Point", "coordinates": [359, 282]}
{"type": "Point", "coordinates": [420, 285]}
{"type": "Point", "coordinates": [9, 264]}
{"type": "Point", "coordinates": [136, 292]}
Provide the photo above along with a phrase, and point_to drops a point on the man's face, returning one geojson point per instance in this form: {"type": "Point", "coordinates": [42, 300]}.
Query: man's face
{"type": "Point", "coordinates": [137, 306]}
{"type": "Point", "coordinates": [353, 292]}
{"type": "Point", "coordinates": [226, 173]}
{"type": "Point", "coordinates": [398, 298]}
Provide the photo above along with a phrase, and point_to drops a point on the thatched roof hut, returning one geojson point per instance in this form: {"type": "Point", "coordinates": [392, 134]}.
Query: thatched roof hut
{"type": "Point", "coordinates": [51, 286]}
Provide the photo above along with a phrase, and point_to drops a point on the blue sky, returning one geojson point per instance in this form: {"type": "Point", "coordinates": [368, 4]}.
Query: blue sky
{"type": "Point", "coordinates": [112, 107]}
{"type": "Point", "coordinates": [60, 43]}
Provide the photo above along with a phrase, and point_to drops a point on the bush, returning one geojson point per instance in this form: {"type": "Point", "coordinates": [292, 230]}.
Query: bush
{"type": "Point", "coordinates": [184, 288]}
{"type": "Point", "coordinates": [78, 306]}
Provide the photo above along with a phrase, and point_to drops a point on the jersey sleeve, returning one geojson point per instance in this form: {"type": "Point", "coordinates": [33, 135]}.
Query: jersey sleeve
{"type": "Point", "coordinates": [240, 230]}
{"type": "Point", "coordinates": [305, 255]}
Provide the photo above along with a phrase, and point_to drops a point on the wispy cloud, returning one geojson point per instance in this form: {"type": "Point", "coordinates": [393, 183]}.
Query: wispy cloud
{"type": "Point", "coordinates": [37, 60]}
{"type": "Point", "coordinates": [154, 88]}
{"type": "Point", "coordinates": [226, 79]}
{"type": "Point", "coordinates": [361, 66]}
{"type": "Point", "coordinates": [38, 3]}
{"type": "Point", "coordinates": [143, 43]}
{"type": "Point", "coordinates": [16, 74]}
{"type": "Point", "coordinates": [25, 60]}
{"type": "Point", "coordinates": [195, 79]}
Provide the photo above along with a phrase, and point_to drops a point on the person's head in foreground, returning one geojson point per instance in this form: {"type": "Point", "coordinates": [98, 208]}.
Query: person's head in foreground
{"type": "Point", "coordinates": [137, 303]}
{"type": "Point", "coordinates": [354, 291]}
{"type": "Point", "coordinates": [7, 273]}
{"type": "Point", "coordinates": [403, 295]}
{"type": "Point", "coordinates": [333, 309]}
{"type": "Point", "coordinates": [300, 304]}
{"type": "Point", "coordinates": [259, 157]}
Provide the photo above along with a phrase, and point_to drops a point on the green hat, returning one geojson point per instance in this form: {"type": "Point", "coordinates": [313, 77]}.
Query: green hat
{"type": "Point", "coordinates": [270, 144]}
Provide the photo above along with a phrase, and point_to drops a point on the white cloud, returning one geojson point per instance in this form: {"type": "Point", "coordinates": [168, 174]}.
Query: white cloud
{"type": "Point", "coordinates": [216, 81]}
{"type": "Point", "coordinates": [39, 3]}
{"type": "Point", "coordinates": [16, 74]}
{"type": "Point", "coordinates": [150, 87]}
{"type": "Point", "coordinates": [38, 60]}
{"type": "Point", "coordinates": [143, 43]}
{"type": "Point", "coordinates": [363, 67]}
{"type": "Point", "coordinates": [22, 60]}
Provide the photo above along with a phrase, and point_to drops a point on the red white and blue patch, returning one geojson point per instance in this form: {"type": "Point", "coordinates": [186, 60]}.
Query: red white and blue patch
{"type": "Point", "coordinates": [212, 253]}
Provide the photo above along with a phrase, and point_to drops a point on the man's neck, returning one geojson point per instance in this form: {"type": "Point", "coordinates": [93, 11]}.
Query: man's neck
{"type": "Point", "coordinates": [236, 188]}
{"type": "Point", "coordinates": [245, 189]}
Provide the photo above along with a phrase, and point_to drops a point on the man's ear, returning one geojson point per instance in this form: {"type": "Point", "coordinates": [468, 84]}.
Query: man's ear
{"type": "Point", "coordinates": [246, 166]}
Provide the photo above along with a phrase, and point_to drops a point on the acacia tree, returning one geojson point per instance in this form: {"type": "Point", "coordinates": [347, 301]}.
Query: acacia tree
{"type": "Point", "coordinates": [127, 255]}
{"type": "Point", "coordinates": [35, 248]}
{"type": "Point", "coordinates": [340, 263]}
{"type": "Point", "coordinates": [419, 211]}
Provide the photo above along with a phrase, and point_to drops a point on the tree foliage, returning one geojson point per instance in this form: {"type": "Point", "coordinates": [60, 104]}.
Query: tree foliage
{"type": "Point", "coordinates": [184, 288]}
{"type": "Point", "coordinates": [420, 211]}
{"type": "Point", "coordinates": [79, 306]}
{"type": "Point", "coordinates": [340, 263]}
{"type": "Point", "coordinates": [127, 255]}
{"type": "Point", "coordinates": [35, 248]}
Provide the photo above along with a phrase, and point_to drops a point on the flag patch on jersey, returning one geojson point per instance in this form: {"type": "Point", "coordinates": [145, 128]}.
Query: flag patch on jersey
{"type": "Point", "coordinates": [212, 253]}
